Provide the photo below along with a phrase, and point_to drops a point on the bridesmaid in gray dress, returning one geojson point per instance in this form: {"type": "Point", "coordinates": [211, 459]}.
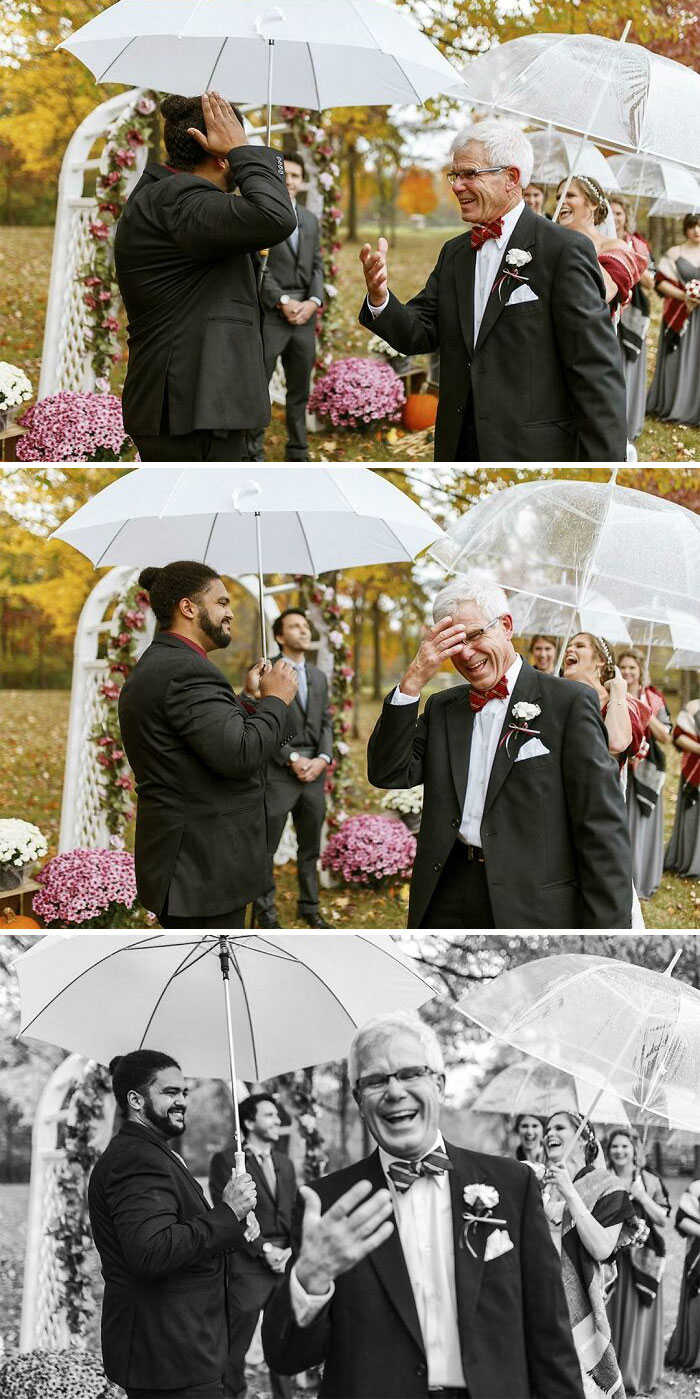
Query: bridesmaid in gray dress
{"type": "Point", "coordinates": [675, 392]}
{"type": "Point", "coordinates": [646, 777]}
{"type": "Point", "coordinates": [632, 331]}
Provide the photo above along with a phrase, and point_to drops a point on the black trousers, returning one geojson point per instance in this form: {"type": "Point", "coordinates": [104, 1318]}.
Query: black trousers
{"type": "Point", "coordinates": [295, 345]}
{"type": "Point", "coordinates": [234, 919]}
{"type": "Point", "coordinates": [467, 447]}
{"type": "Point", "coordinates": [308, 812]}
{"type": "Point", "coordinates": [202, 445]}
{"type": "Point", "coordinates": [461, 899]}
{"type": "Point", "coordinates": [242, 1324]}
{"type": "Point", "coordinates": [214, 1390]}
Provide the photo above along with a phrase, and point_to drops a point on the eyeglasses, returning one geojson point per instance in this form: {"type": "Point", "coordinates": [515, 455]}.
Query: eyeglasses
{"type": "Point", "coordinates": [378, 1083]}
{"type": "Point", "coordinates": [474, 636]}
{"type": "Point", "coordinates": [454, 175]}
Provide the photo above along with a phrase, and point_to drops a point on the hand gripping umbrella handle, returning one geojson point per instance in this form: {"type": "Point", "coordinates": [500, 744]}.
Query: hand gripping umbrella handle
{"type": "Point", "coordinates": [251, 1221]}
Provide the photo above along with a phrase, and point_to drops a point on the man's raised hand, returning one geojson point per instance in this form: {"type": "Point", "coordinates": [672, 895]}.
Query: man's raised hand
{"type": "Point", "coordinates": [280, 681]}
{"type": "Point", "coordinates": [440, 642]}
{"type": "Point", "coordinates": [334, 1242]}
{"type": "Point", "coordinates": [224, 131]}
{"type": "Point", "coordinates": [375, 269]}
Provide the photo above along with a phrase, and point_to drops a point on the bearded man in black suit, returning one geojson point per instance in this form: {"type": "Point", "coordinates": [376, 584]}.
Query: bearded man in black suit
{"type": "Point", "coordinates": [524, 822]}
{"type": "Point", "coordinates": [292, 294]}
{"type": "Point", "coordinates": [256, 1271]}
{"type": "Point", "coordinates": [162, 1247]}
{"type": "Point", "coordinates": [530, 367]}
{"type": "Point", "coordinates": [185, 254]}
{"type": "Point", "coordinates": [199, 756]}
{"type": "Point", "coordinates": [460, 1293]}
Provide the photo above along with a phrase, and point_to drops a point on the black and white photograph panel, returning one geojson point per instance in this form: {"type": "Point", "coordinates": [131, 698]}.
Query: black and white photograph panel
{"type": "Point", "coordinates": [348, 1165]}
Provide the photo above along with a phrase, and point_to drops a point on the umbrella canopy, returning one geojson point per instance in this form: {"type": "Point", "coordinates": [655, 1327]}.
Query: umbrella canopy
{"type": "Point", "coordinates": [557, 156]}
{"type": "Point", "coordinates": [619, 95]}
{"type": "Point", "coordinates": [684, 660]}
{"type": "Point", "coordinates": [671, 209]}
{"type": "Point", "coordinates": [312, 519]}
{"type": "Point", "coordinates": [338, 54]}
{"type": "Point", "coordinates": [530, 1086]}
{"type": "Point", "coordinates": [640, 551]}
{"type": "Point", "coordinates": [295, 999]}
{"type": "Point", "coordinates": [612, 1024]}
{"type": "Point", "coordinates": [559, 618]}
{"type": "Point", "coordinates": [654, 179]}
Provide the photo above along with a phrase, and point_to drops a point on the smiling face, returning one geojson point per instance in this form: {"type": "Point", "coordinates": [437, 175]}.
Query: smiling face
{"type": "Point", "coordinates": [484, 661]}
{"type": "Point", "coordinates": [631, 673]}
{"type": "Point", "coordinates": [214, 616]}
{"type": "Point", "coordinates": [576, 211]}
{"type": "Point", "coordinates": [164, 1104]}
{"type": "Point", "coordinates": [484, 197]}
{"type": "Point", "coordinates": [581, 660]}
{"type": "Point", "coordinates": [620, 218]}
{"type": "Point", "coordinates": [544, 655]}
{"type": "Point", "coordinates": [621, 1153]}
{"type": "Point", "coordinates": [692, 235]}
{"type": "Point", "coordinates": [266, 1126]}
{"type": "Point", "coordinates": [293, 177]}
{"type": "Point", "coordinates": [403, 1117]}
{"type": "Point", "coordinates": [558, 1136]}
{"type": "Point", "coordinates": [530, 1132]}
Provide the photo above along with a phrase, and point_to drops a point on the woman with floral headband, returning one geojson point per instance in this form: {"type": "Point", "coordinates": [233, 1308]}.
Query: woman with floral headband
{"type": "Point", "coordinates": [635, 1304]}
{"type": "Point", "coordinates": [683, 851]}
{"type": "Point", "coordinates": [589, 1216]}
{"type": "Point", "coordinates": [585, 210]}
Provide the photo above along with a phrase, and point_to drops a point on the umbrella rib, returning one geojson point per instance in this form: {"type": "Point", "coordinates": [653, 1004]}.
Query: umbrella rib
{"type": "Point", "coordinates": [316, 976]}
{"type": "Point", "coordinates": [103, 75]}
{"type": "Point", "coordinates": [123, 525]}
{"type": "Point", "coordinates": [302, 527]}
{"type": "Point", "coordinates": [197, 948]}
{"type": "Point", "coordinates": [210, 80]}
{"type": "Point", "coordinates": [317, 90]}
{"type": "Point", "coordinates": [216, 516]}
{"type": "Point", "coordinates": [128, 947]}
{"type": "Point", "coordinates": [246, 1001]}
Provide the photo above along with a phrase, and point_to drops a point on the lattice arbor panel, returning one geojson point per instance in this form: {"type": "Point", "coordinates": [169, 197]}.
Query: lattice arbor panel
{"type": "Point", "coordinates": [50, 1330]}
{"type": "Point", "coordinates": [73, 368]}
{"type": "Point", "coordinates": [90, 830]}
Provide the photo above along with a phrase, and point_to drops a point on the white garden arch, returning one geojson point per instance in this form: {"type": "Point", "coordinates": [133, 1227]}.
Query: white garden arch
{"type": "Point", "coordinates": [43, 1324]}
{"type": "Point", "coordinates": [83, 824]}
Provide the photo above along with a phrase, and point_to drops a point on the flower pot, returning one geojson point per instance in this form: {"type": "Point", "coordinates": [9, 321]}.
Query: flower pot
{"type": "Point", "coordinates": [7, 417]}
{"type": "Point", "coordinates": [11, 876]}
{"type": "Point", "coordinates": [411, 820]}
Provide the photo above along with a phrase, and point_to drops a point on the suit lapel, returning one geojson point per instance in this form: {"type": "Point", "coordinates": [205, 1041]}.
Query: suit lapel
{"type": "Point", "coordinates": [526, 688]}
{"type": "Point", "coordinates": [464, 267]}
{"type": "Point", "coordinates": [523, 236]}
{"type": "Point", "coordinates": [469, 1266]}
{"type": "Point", "coordinates": [133, 1130]}
{"type": "Point", "coordinates": [460, 723]}
{"type": "Point", "coordinates": [390, 1265]}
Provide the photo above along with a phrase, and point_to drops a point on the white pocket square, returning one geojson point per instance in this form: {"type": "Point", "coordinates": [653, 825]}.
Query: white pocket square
{"type": "Point", "coordinates": [532, 749]}
{"type": "Point", "coordinates": [498, 1242]}
{"type": "Point", "coordinates": [521, 294]}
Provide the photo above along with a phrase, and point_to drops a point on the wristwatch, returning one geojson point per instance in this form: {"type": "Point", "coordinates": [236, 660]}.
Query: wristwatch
{"type": "Point", "coordinates": [294, 757]}
{"type": "Point", "coordinates": [284, 300]}
{"type": "Point", "coordinates": [267, 1248]}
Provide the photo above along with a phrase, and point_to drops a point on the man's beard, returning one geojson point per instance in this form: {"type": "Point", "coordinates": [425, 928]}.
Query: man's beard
{"type": "Point", "coordinates": [162, 1120]}
{"type": "Point", "coordinates": [218, 635]}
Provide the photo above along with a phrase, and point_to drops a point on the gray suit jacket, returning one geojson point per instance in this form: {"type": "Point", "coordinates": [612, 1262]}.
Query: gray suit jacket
{"type": "Point", "coordinates": [312, 735]}
{"type": "Point", "coordinates": [298, 274]}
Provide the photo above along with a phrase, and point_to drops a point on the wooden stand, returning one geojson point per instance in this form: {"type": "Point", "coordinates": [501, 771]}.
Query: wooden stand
{"type": "Point", "coordinates": [19, 899]}
{"type": "Point", "coordinates": [8, 441]}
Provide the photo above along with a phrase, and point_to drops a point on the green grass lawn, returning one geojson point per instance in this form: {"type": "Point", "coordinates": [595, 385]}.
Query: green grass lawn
{"type": "Point", "coordinates": [25, 256]}
{"type": "Point", "coordinates": [34, 726]}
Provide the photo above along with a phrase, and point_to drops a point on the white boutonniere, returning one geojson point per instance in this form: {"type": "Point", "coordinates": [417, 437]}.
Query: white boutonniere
{"type": "Point", "coordinates": [481, 1201]}
{"type": "Point", "coordinates": [514, 260]}
{"type": "Point", "coordinates": [522, 715]}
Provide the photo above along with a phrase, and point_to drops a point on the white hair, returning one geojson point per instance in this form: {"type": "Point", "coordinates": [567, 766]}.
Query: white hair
{"type": "Point", "coordinates": [504, 143]}
{"type": "Point", "coordinates": [488, 597]}
{"type": "Point", "coordinates": [384, 1027]}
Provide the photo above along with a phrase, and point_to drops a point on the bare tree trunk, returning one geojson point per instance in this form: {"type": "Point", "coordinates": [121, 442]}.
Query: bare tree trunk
{"type": "Point", "coordinates": [376, 650]}
{"type": "Point", "coordinates": [357, 610]}
{"type": "Point", "coordinates": [352, 236]}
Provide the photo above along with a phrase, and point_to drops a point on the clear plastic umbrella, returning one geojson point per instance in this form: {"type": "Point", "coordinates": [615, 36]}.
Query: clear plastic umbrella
{"type": "Point", "coordinates": [614, 1025]}
{"type": "Point", "coordinates": [249, 519]}
{"type": "Point", "coordinates": [639, 550]}
{"type": "Point", "coordinates": [530, 1086]}
{"type": "Point", "coordinates": [618, 95]}
{"type": "Point", "coordinates": [561, 618]}
{"type": "Point", "coordinates": [558, 155]}
{"type": "Point", "coordinates": [684, 660]}
{"type": "Point", "coordinates": [672, 209]}
{"type": "Point", "coordinates": [645, 178]}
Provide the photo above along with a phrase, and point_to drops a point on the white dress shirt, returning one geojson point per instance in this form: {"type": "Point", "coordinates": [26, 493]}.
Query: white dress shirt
{"type": "Point", "coordinates": [486, 730]}
{"type": "Point", "coordinates": [424, 1222]}
{"type": "Point", "coordinates": [488, 261]}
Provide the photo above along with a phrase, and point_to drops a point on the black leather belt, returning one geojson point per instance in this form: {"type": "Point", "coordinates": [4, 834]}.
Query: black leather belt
{"type": "Point", "coordinates": [471, 852]}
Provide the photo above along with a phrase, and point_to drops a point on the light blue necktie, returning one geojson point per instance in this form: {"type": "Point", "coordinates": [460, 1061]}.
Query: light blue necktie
{"type": "Point", "coordinates": [303, 686]}
{"type": "Point", "coordinates": [294, 237]}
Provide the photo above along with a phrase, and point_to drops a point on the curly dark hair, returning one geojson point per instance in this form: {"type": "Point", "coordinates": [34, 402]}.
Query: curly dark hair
{"type": "Point", "coordinates": [167, 586]}
{"type": "Point", "coordinates": [178, 114]}
{"type": "Point", "coordinates": [690, 221]}
{"type": "Point", "coordinates": [137, 1071]}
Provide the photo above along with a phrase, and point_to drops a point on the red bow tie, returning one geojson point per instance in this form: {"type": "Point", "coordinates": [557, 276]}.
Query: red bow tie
{"type": "Point", "coordinates": [478, 698]}
{"type": "Point", "coordinates": [481, 232]}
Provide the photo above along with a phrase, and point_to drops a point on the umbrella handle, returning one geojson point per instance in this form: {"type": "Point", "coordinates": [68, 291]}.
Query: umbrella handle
{"type": "Point", "coordinates": [252, 1228]}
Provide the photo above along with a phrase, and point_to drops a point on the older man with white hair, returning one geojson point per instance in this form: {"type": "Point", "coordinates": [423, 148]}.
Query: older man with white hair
{"type": "Point", "coordinates": [530, 368]}
{"type": "Point", "coordinates": [415, 1263]}
{"type": "Point", "coordinates": [524, 822]}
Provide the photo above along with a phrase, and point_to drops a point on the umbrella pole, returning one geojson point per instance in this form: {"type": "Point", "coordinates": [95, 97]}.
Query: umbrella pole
{"type": "Point", "coordinates": [587, 133]}
{"type": "Point", "coordinates": [261, 588]}
{"type": "Point", "coordinates": [589, 566]}
{"type": "Point", "coordinates": [270, 66]}
{"type": "Point", "coordinates": [238, 1153]}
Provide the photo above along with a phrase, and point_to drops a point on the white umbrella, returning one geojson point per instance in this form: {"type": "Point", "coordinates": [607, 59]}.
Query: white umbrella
{"type": "Point", "coordinates": [613, 1024]}
{"type": "Point", "coordinates": [639, 550]}
{"type": "Point", "coordinates": [558, 155]}
{"type": "Point", "coordinates": [541, 1089]}
{"type": "Point", "coordinates": [336, 54]}
{"type": "Point", "coordinates": [290, 1001]}
{"type": "Point", "coordinates": [249, 519]}
{"type": "Point", "coordinates": [618, 95]}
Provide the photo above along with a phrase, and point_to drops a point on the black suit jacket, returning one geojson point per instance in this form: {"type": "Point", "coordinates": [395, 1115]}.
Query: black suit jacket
{"type": "Point", "coordinates": [298, 274]}
{"type": "Point", "coordinates": [184, 257]}
{"type": "Point", "coordinates": [545, 376]}
{"type": "Point", "coordinates": [250, 1279]}
{"type": "Point", "coordinates": [554, 830]}
{"type": "Point", "coordinates": [199, 762]}
{"type": "Point", "coordinates": [162, 1252]}
{"type": "Point", "coordinates": [312, 734]}
{"type": "Point", "coordinates": [514, 1326]}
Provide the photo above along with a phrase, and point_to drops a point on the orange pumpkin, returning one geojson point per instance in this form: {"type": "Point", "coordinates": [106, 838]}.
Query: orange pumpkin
{"type": "Point", "coordinates": [420, 411]}
{"type": "Point", "coordinates": [16, 920]}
